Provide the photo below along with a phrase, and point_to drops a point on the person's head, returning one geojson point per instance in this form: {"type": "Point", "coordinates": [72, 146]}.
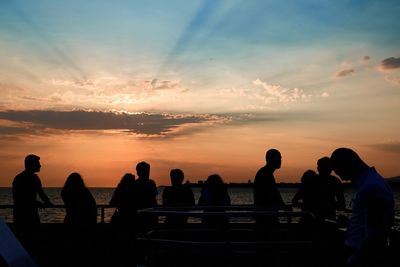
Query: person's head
{"type": "Point", "coordinates": [273, 158]}
{"type": "Point", "coordinates": [347, 164]}
{"type": "Point", "coordinates": [177, 176]}
{"type": "Point", "coordinates": [32, 163]}
{"type": "Point", "coordinates": [143, 170]}
{"type": "Point", "coordinates": [74, 181]}
{"type": "Point", "coordinates": [127, 180]}
{"type": "Point", "coordinates": [214, 181]}
{"type": "Point", "coordinates": [308, 177]}
{"type": "Point", "coordinates": [324, 166]}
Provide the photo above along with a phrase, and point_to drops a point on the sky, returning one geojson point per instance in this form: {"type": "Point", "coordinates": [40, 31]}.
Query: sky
{"type": "Point", "coordinates": [206, 86]}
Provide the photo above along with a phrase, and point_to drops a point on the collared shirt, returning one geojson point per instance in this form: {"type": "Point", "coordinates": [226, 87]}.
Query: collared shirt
{"type": "Point", "coordinates": [373, 211]}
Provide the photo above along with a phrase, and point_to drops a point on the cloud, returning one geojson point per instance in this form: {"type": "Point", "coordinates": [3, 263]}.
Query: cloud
{"type": "Point", "coordinates": [366, 58]}
{"type": "Point", "coordinates": [391, 79]}
{"type": "Point", "coordinates": [6, 130]}
{"type": "Point", "coordinates": [391, 146]}
{"type": "Point", "coordinates": [138, 123]}
{"type": "Point", "coordinates": [277, 93]}
{"type": "Point", "coordinates": [246, 118]}
{"type": "Point", "coordinates": [110, 86]}
{"type": "Point", "coordinates": [325, 94]}
{"type": "Point", "coordinates": [390, 63]}
{"type": "Point", "coordinates": [344, 73]}
{"type": "Point", "coordinates": [156, 84]}
{"type": "Point", "coordinates": [50, 99]}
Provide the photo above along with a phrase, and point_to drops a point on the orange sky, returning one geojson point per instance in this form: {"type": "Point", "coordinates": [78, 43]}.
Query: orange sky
{"type": "Point", "coordinates": [234, 153]}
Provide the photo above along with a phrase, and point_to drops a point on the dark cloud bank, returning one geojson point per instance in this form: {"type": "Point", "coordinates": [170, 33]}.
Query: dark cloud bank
{"type": "Point", "coordinates": [390, 63]}
{"type": "Point", "coordinates": [140, 123]}
{"type": "Point", "coordinates": [390, 146]}
{"type": "Point", "coordinates": [344, 73]}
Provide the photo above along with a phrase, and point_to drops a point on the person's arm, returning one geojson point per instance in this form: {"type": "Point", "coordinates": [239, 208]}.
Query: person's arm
{"type": "Point", "coordinates": [340, 201]}
{"type": "Point", "coordinates": [165, 197]}
{"type": "Point", "coordinates": [42, 195]}
{"type": "Point", "coordinates": [257, 189]}
{"type": "Point", "coordinates": [191, 198]}
{"type": "Point", "coordinates": [297, 197]}
{"type": "Point", "coordinates": [155, 192]}
{"type": "Point", "coordinates": [203, 198]}
{"type": "Point", "coordinates": [227, 198]}
{"type": "Point", "coordinates": [379, 218]}
{"type": "Point", "coordinates": [115, 199]}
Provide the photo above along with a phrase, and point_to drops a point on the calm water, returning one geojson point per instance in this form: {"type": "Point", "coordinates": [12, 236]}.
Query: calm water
{"type": "Point", "coordinates": [239, 196]}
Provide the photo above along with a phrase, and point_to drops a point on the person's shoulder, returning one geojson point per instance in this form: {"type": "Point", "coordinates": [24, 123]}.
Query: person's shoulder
{"type": "Point", "coordinates": [152, 182]}
{"type": "Point", "coordinates": [187, 189]}
{"type": "Point", "coordinates": [262, 169]}
{"type": "Point", "coordinates": [20, 177]}
{"type": "Point", "coordinates": [371, 189]}
{"type": "Point", "coordinates": [335, 179]}
{"type": "Point", "coordinates": [167, 190]}
{"type": "Point", "coordinates": [261, 172]}
{"type": "Point", "coordinates": [23, 173]}
{"type": "Point", "coordinates": [86, 190]}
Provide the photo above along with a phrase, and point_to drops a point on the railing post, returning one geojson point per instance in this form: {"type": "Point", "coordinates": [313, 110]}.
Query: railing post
{"type": "Point", "coordinates": [102, 214]}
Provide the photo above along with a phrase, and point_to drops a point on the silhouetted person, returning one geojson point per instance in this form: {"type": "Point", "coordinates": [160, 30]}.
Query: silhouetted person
{"type": "Point", "coordinates": [26, 187]}
{"type": "Point", "coordinates": [373, 209]}
{"type": "Point", "coordinates": [308, 194]}
{"type": "Point", "coordinates": [146, 192]}
{"type": "Point", "coordinates": [215, 193]}
{"type": "Point", "coordinates": [318, 193]}
{"type": "Point", "coordinates": [266, 193]}
{"type": "Point", "coordinates": [125, 221]}
{"type": "Point", "coordinates": [124, 199]}
{"type": "Point", "coordinates": [146, 188]}
{"type": "Point", "coordinates": [79, 203]}
{"type": "Point", "coordinates": [80, 221]}
{"type": "Point", "coordinates": [177, 195]}
{"type": "Point", "coordinates": [330, 191]}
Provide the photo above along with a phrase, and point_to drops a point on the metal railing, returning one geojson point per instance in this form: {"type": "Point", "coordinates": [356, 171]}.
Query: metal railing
{"type": "Point", "coordinates": [99, 207]}
{"type": "Point", "coordinates": [194, 210]}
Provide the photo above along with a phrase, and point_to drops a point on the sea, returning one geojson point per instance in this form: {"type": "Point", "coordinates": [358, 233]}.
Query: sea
{"type": "Point", "coordinates": [239, 196]}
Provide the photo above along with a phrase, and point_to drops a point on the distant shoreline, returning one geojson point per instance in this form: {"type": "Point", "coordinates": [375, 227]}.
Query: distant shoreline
{"type": "Point", "coordinates": [393, 182]}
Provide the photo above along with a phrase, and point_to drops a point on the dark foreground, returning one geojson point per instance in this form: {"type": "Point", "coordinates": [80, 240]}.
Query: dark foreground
{"type": "Point", "coordinates": [218, 242]}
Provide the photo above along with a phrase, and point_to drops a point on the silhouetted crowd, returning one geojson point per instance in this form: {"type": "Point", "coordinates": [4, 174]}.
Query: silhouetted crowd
{"type": "Point", "coordinates": [320, 195]}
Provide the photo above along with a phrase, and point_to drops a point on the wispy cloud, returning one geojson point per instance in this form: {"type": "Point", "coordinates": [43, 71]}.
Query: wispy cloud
{"type": "Point", "coordinates": [390, 146]}
{"type": "Point", "coordinates": [393, 79]}
{"type": "Point", "coordinates": [259, 96]}
{"type": "Point", "coordinates": [365, 59]}
{"type": "Point", "coordinates": [277, 93]}
{"type": "Point", "coordinates": [138, 123]}
{"type": "Point", "coordinates": [344, 73]}
{"type": "Point", "coordinates": [111, 85]}
{"type": "Point", "coordinates": [390, 63]}
{"type": "Point", "coordinates": [325, 94]}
